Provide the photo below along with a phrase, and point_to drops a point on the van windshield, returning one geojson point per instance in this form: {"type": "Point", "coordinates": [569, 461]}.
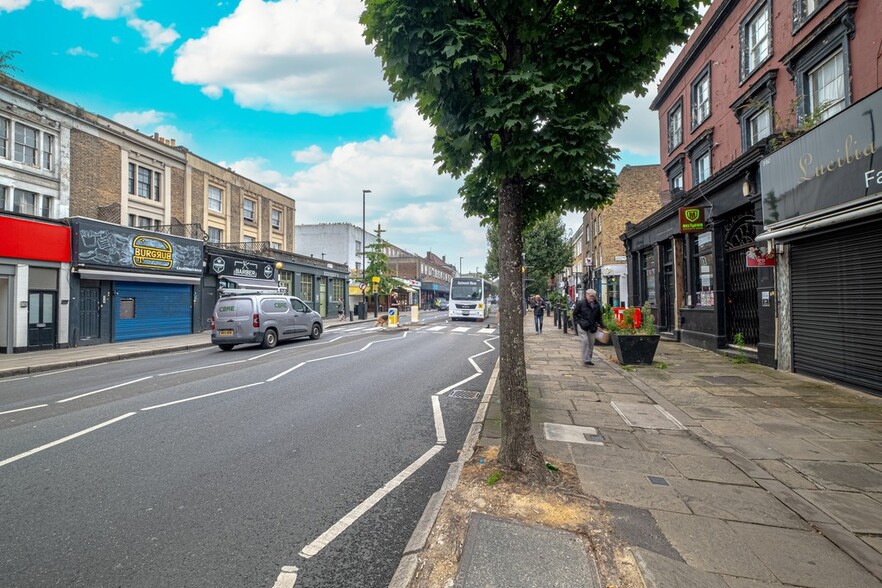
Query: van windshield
{"type": "Point", "coordinates": [233, 308]}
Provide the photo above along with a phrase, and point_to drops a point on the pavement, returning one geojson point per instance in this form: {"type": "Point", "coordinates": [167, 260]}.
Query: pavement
{"type": "Point", "coordinates": [714, 473]}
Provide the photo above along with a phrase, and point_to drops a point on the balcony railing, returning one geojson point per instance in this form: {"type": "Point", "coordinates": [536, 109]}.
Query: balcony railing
{"type": "Point", "coordinates": [191, 231]}
{"type": "Point", "coordinates": [261, 247]}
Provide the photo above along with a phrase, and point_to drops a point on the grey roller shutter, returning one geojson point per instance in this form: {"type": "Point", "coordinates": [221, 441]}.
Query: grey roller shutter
{"type": "Point", "coordinates": [836, 305]}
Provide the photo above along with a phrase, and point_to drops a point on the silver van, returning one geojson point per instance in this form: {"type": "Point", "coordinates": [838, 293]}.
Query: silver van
{"type": "Point", "coordinates": [262, 318]}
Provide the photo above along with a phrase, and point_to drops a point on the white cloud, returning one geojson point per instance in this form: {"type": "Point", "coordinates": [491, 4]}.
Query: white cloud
{"type": "Point", "coordinates": [312, 154]}
{"type": "Point", "coordinates": [255, 169]}
{"type": "Point", "coordinates": [288, 56]}
{"type": "Point", "coordinates": [212, 91]}
{"type": "Point", "coordinates": [10, 5]}
{"type": "Point", "coordinates": [79, 51]}
{"type": "Point", "coordinates": [158, 38]}
{"type": "Point", "coordinates": [138, 120]}
{"type": "Point", "coordinates": [104, 9]}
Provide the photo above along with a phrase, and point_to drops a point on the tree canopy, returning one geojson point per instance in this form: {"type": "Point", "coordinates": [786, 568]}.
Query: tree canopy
{"type": "Point", "coordinates": [547, 252]}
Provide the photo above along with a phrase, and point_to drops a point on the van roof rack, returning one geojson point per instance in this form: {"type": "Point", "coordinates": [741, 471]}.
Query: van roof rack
{"type": "Point", "coordinates": [246, 291]}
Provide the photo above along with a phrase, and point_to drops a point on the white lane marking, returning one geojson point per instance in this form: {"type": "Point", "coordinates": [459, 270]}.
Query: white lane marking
{"type": "Point", "coordinates": [452, 386]}
{"type": "Point", "coordinates": [287, 371]}
{"type": "Point", "coordinates": [440, 433]}
{"type": "Point", "coordinates": [204, 367]}
{"type": "Point", "coordinates": [440, 328]}
{"type": "Point", "coordinates": [461, 329]}
{"type": "Point", "coordinates": [55, 372]}
{"type": "Point", "coordinates": [104, 389]}
{"type": "Point", "coordinates": [64, 439]}
{"type": "Point", "coordinates": [21, 409]}
{"type": "Point", "coordinates": [365, 348]}
{"type": "Point", "coordinates": [287, 577]}
{"type": "Point", "coordinates": [325, 538]}
{"type": "Point", "coordinates": [202, 396]}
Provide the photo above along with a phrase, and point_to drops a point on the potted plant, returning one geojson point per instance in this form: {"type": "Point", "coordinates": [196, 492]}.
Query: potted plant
{"type": "Point", "coordinates": [634, 335]}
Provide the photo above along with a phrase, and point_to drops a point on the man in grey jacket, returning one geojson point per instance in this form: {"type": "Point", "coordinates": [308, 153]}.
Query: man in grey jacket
{"type": "Point", "coordinates": [589, 317]}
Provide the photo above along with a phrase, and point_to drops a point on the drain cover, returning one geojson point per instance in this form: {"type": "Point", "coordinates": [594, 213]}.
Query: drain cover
{"type": "Point", "coordinates": [467, 394]}
{"type": "Point", "coordinates": [658, 481]}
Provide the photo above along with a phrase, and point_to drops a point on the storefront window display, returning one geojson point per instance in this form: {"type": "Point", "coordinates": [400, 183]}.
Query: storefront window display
{"type": "Point", "coordinates": [703, 269]}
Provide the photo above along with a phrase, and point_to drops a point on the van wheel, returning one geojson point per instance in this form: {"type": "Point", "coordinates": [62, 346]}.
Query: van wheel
{"type": "Point", "coordinates": [226, 347]}
{"type": "Point", "coordinates": [316, 331]}
{"type": "Point", "coordinates": [269, 339]}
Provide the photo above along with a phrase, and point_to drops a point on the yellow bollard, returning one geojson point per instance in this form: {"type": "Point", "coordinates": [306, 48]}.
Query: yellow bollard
{"type": "Point", "coordinates": [393, 317]}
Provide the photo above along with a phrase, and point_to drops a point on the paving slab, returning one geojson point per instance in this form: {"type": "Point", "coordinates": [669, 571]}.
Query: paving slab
{"type": "Point", "coordinates": [709, 469]}
{"type": "Point", "coordinates": [636, 527]}
{"type": "Point", "coordinates": [710, 545]}
{"type": "Point", "coordinates": [734, 428]}
{"type": "Point", "coordinates": [571, 434]}
{"type": "Point", "coordinates": [646, 416]}
{"type": "Point", "coordinates": [787, 429]}
{"type": "Point", "coordinates": [672, 442]}
{"type": "Point", "coordinates": [851, 450]}
{"type": "Point", "coordinates": [802, 558]}
{"type": "Point", "coordinates": [840, 475]}
{"type": "Point", "coordinates": [856, 512]}
{"type": "Point", "coordinates": [659, 571]}
{"type": "Point", "coordinates": [614, 458]}
{"type": "Point", "coordinates": [843, 431]}
{"type": "Point", "coordinates": [632, 488]}
{"type": "Point", "coordinates": [735, 503]}
{"type": "Point", "coordinates": [551, 404]}
{"type": "Point", "coordinates": [753, 448]}
{"type": "Point", "coordinates": [713, 412]}
{"type": "Point", "coordinates": [748, 583]}
{"type": "Point", "coordinates": [504, 553]}
{"type": "Point", "coordinates": [600, 420]}
{"type": "Point", "coordinates": [799, 449]}
{"type": "Point", "coordinates": [874, 542]}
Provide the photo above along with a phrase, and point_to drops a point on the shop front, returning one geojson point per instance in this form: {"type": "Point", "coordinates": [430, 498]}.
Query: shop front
{"type": "Point", "coordinates": [127, 283]}
{"type": "Point", "coordinates": [34, 284]}
{"type": "Point", "coordinates": [822, 216]}
{"type": "Point", "coordinates": [320, 284]}
{"type": "Point", "coordinates": [229, 270]}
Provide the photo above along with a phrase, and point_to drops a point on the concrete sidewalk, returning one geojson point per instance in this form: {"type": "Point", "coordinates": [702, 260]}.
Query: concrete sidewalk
{"type": "Point", "coordinates": [715, 473]}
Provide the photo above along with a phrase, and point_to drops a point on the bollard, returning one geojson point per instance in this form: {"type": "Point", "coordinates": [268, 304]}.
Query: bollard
{"type": "Point", "coordinates": [565, 320]}
{"type": "Point", "coordinates": [350, 317]}
{"type": "Point", "coordinates": [559, 317]}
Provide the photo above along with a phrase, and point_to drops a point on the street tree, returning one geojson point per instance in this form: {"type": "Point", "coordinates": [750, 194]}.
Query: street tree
{"type": "Point", "coordinates": [524, 98]}
{"type": "Point", "coordinates": [378, 267]}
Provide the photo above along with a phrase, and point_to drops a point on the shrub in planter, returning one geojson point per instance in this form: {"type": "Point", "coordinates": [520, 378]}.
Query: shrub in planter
{"type": "Point", "coordinates": [635, 339]}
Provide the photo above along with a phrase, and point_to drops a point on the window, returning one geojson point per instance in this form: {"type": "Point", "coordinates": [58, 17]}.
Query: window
{"type": "Point", "coordinates": [759, 126]}
{"type": "Point", "coordinates": [4, 137]}
{"type": "Point", "coordinates": [26, 144]}
{"type": "Point", "coordinates": [648, 276]}
{"type": "Point", "coordinates": [248, 239]}
{"type": "Point", "coordinates": [3, 191]}
{"type": "Point", "coordinates": [215, 199]}
{"type": "Point", "coordinates": [215, 235]}
{"type": "Point", "coordinates": [358, 246]}
{"type": "Point", "coordinates": [675, 126]}
{"type": "Point", "coordinates": [338, 290]}
{"type": "Point", "coordinates": [276, 245]}
{"type": "Point", "coordinates": [277, 219]}
{"type": "Point", "coordinates": [25, 202]}
{"type": "Point", "coordinates": [46, 206]}
{"type": "Point", "coordinates": [676, 181]}
{"type": "Point", "coordinates": [756, 39]}
{"type": "Point", "coordinates": [701, 106]}
{"type": "Point", "coordinates": [145, 182]}
{"type": "Point", "coordinates": [701, 167]}
{"type": "Point", "coordinates": [826, 87]}
{"type": "Point", "coordinates": [248, 209]}
{"type": "Point", "coordinates": [703, 269]}
{"type": "Point", "coordinates": [48, 151]}
{"type": "Point", "coordinates": [306, 287]}
{"type": "Point", "coordinates": [803, 9]}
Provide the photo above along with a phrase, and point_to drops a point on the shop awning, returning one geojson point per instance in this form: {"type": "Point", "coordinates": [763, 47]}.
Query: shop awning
{"type": "Point", "coordinates": [90, 274]}
{"type": "Point", "coordinates": [252, 283]}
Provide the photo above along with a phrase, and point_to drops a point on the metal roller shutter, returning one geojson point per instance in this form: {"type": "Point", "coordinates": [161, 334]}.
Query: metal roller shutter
{"type": "Point", "coordinates": [161, 310]}
{"type": "Point", "coordinates": [836, 305]}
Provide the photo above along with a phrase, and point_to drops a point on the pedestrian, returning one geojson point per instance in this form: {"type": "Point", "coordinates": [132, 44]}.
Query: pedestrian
{"type": "Point", "coordinates": [588, 316]}
{"type": "Point", "coordinates": [538, 306]}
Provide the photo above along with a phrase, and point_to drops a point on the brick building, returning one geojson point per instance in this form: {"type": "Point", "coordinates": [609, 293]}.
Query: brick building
{"type": "Point", "coordinates": [753, 76]}
{"type": "Point", "coordinates": [606, 270]}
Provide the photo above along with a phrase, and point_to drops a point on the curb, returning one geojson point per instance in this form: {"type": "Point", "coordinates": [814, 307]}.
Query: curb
{"type": "Point", "coordinates": [407, 567]}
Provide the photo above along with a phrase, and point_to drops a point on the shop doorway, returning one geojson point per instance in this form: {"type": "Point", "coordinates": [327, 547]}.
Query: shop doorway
{"type": "Point", "coordinates": [90, 314]}
{"type": "Point", "coordinates": [742, 308]}
{"type": "Point", "coordinates": [41, 320]}
{"type": "Point", "coordinates": [666, 304]}
{"type": "Point", "coordinates": [323, 296]}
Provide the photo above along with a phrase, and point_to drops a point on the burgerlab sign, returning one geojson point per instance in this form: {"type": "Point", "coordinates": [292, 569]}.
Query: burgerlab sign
{"type": "Point", "coordinates": [834, 164]}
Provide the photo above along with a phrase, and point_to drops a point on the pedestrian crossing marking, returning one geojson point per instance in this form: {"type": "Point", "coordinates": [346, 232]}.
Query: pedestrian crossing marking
{"type": "Point", "coordinates": [438, 328]}
{"type": "Point", "coordinates": [461, 330]}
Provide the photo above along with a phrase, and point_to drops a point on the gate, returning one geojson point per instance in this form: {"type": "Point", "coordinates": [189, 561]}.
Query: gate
{"type": "Point", "coordinates": [90, 314]}
{"type": "Point", "coordinates": [742, 308]}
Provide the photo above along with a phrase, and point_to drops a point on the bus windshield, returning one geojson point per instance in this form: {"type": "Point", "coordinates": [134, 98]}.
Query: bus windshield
{"type": "Point", "coordinates": [466, 289]}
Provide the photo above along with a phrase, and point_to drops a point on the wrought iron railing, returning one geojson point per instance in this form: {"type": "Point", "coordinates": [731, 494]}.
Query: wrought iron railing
{"type": "Point", "coordinates": [191, 230]}
{"type": "Point", "coordinates": [261, 247]}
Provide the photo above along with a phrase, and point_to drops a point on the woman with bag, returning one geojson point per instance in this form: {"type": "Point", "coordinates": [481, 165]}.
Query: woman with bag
{"type": "Point", "coordinates": [589, 316]}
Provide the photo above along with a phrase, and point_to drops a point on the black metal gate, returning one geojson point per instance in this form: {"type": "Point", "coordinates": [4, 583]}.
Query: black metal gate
{"type": "Point", "coordinates": [742, 308]}
{"type": "Point", "coordinates": [666, 300]}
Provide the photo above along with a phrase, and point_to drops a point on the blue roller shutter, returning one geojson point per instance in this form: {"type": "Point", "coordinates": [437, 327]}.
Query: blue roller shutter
{"type": "Point", "coordinates": [160, 310]}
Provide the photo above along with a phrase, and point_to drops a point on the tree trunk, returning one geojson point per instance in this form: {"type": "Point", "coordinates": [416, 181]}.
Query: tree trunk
{"type": "Point", "coordinates": [518, 449]}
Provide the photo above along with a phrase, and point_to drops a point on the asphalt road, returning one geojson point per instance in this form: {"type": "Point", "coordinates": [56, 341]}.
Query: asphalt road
{"type": "Point", "coordinates": [306, 465]}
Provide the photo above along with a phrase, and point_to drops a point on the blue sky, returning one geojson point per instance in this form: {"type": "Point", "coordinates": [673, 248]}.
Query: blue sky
{"type": "Point", "coordinates": [285, 92]}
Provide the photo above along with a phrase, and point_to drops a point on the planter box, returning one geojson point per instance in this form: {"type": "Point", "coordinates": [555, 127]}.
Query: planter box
{"type": "Point", "coordinates": [635, 349]}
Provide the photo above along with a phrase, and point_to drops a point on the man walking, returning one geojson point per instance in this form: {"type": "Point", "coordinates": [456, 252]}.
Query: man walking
{"type": "Point", "coordinates": [588, 316]}
{"type": "Point", "coordinates": [538, 312]}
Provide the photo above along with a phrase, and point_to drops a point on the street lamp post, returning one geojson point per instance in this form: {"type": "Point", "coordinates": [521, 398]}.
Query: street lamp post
{"type": "Point", "coordinates": [460, 266]}
{"type": "Point", "coordinates": [363, 266]}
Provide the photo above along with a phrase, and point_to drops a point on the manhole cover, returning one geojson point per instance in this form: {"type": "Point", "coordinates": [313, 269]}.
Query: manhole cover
{"type": "Point", "coordinates": [646, 416]}
{"type": "Point", "coordinates": [467, 394]}
{"type": "Point", "coordinates": [725, 380]}
{"type": "Point", "coordinates": [658, 481]}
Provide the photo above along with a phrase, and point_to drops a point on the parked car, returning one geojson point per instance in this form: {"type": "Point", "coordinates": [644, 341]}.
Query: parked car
{"type": "Point", "coordinates": [262, 318]}
{"type": "Point", "coordinates": [443, 304]}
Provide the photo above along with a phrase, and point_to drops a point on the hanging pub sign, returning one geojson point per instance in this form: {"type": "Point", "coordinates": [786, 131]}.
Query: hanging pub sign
{"type": "Point", "coordinates": [692, 219]}
{"type": "Point", "coordinates": [760, 257]}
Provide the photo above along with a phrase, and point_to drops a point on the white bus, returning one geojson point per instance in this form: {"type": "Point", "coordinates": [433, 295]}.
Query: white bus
{"type": "Point", "coordinates": [469, 299]}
